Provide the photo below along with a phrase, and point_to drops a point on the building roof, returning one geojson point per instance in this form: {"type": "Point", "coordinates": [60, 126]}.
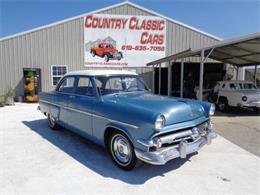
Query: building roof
{"type": "Point", "coordinates": [241, 51]}
{"type": "Point", "coordinates": [100, 72]}
{"type": "Point", "coordinates": [107, 8]}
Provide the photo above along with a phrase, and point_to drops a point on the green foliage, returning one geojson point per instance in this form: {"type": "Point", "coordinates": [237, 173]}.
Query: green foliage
{"type": "Point", "coordinates": [9, 92]}
{"type": "Point", "coordinates": [2, 101]}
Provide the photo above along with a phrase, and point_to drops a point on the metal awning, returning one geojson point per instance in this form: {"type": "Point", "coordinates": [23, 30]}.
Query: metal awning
{"type": "Point", "coordinates": [242, 51]}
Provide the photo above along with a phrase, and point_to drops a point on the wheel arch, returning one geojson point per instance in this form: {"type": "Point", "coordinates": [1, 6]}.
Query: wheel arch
{"type": "Point", "coordinates": [222, 97]}
{"type": "Point", "coordinates": [112, 128]}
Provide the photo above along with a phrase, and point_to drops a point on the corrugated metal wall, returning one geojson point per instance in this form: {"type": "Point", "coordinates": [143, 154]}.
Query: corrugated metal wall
{"type": "Point", "coordinates": [64, 44]}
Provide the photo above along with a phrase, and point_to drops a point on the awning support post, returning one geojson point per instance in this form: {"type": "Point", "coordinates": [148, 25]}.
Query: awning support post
{"type": "Point", "coordinates": [255, 74]}
{"type": "Point", "coordinates": [202, 56]}
{"type": "Point", "coordinates": [182, 78]}
{"type": "Point", "coordinates": [237, 69]}
{"type": "Point", "coordinates": [159, 91]}
{"type": "Point", "coordinates": [169, 78]}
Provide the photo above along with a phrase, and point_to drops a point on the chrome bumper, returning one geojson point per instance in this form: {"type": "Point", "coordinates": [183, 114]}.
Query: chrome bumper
{"type": "Point", "coordinates": [163, 155]}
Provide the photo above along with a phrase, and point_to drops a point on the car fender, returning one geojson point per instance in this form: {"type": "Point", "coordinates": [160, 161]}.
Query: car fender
{"type": "Point", "coordinates": [118, 128]}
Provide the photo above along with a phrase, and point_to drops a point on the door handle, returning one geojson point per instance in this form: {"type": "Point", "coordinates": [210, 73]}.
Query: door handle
{"type": "Point", "coordinates": [72, 96]}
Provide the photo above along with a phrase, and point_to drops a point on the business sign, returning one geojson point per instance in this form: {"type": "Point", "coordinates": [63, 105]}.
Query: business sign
{"type": "Point", "coordinates": [122, 40]}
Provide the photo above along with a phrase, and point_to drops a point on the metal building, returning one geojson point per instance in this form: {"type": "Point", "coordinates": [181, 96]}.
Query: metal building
{"type": "Point", "coordinates": [62, 43]}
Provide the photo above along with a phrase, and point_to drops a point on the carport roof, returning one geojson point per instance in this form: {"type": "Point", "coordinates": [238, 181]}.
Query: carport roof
{"type": "Point", "coordinates": [241, 51]}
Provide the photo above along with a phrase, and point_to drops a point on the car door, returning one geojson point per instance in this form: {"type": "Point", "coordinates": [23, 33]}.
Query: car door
{"type": "Point", "coordinates": [64, 90]}
{"type": "Point", "coordinates": [80, 105]}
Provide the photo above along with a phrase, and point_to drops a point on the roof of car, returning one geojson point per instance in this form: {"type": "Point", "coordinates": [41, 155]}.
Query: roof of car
{"type": "Point", "coordinates": [100, 72]}
{"type": "Point", "coordinates": [235, 81]}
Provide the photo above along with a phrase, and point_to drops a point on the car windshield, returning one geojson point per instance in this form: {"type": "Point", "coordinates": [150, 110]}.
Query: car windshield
{"type": "Point", "coordinates": [117, 84]}
{"type": "Point", "coordinates": [242, 86]}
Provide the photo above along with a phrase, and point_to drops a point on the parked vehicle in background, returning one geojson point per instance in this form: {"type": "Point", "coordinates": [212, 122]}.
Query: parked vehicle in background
{"type": "Point", "coordinates": [116, 110]}
{"type": "Point", "coordinates": [106, 51]}
{"type": "Point", "coordinates": [233, 93]}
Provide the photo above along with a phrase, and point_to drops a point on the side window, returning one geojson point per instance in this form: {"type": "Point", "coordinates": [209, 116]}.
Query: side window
{"type": "Point", "coordinates": [84, 87]}
{"type": "Point", "coordinates": [114, 83]}
{"type": "Point", "coordinates": [67, 85]}
{"type": "Point", "coordinates": [232, 86]}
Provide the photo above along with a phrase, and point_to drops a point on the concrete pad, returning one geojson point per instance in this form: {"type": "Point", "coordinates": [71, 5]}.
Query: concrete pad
{"type": "Point", "coordinates": [37, 160]}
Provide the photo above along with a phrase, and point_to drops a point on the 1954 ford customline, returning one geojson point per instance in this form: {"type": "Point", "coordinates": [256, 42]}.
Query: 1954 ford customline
{"type": "Point", "coordinates": [115, 109]}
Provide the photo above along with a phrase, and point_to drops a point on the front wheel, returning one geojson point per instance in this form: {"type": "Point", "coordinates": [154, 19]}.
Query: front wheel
{"type": "Point", "coordinates": [223, 105]}
{"type": "Point", "coordinates": [52, 122]}
{"type": "Point", "coordinates": [122, 151]}
{"type": "Point", "coordinates": [106, 57]}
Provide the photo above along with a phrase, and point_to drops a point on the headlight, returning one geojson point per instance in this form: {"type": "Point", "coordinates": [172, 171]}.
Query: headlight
{"type": "Point", "coordinates": [160, 122]}
{"type": "Point", "coordinates": [212, 109]}
{"type": "Point", "coordinates": [157, 142]}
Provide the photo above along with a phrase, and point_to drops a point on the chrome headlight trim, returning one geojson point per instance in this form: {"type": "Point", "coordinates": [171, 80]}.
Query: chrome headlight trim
{"type": "Point", "coordinates": [212, 109]}
{"type": "Point", "coordinates": [160, 122]}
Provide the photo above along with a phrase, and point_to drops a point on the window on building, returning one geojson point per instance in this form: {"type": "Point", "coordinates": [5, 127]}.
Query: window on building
{"type": "Point", "coordinates": [57, 72]}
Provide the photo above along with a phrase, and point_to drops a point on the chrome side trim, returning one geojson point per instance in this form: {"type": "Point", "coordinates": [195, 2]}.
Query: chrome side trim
{"type": "Point", "coordinates": [50, 103]}
{"type": "Point", "coordinates": [115, 121]}
{"type": "Point", "coordinates": [125, 124]}
{"type": "Point", "coordinates": [90, 114]}
{"type": "Point", "coordinates": [79, 111]}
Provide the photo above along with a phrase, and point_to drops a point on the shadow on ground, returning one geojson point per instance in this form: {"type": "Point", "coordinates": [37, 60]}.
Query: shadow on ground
{"type": "Point", "coordinates": [97, 158]}
{"type": "Point", "coordinates": [236, 112]}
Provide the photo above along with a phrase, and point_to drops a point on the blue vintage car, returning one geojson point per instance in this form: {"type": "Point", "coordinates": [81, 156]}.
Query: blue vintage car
{"type": "Point", "coordinates": [115, 109]}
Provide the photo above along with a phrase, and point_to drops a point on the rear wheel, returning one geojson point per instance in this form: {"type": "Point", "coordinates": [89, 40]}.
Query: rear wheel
{"type": "Point", "coordinates": [223, 105]}
{"type": "Point", "coordinates": [122, 151]}
{"type": "Point", "coordinates": [52, 122]}
{"type": "Point", "coordinates": [93, 53]}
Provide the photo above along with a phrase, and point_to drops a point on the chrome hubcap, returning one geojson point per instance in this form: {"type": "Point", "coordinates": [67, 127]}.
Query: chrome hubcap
{"type": "Point", "coordinates": [52, 121]}
{"type": "Point", "coordinates": [221, 106]}
{"type": "Point", "coordinates": [106, 58]}
{"type": "Point", "coordinates": [121, 149]}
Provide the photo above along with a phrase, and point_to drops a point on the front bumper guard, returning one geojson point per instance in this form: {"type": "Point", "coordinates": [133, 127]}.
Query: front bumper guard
{"type": "Point", "coordinates": [163, 155]}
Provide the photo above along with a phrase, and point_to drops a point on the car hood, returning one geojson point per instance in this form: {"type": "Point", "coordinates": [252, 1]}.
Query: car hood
{"type": "Point", "coordinates": [175, 110]}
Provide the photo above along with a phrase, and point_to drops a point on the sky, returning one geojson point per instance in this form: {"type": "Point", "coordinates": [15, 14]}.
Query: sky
{"type": "Point", "coordinates": [222, 18]}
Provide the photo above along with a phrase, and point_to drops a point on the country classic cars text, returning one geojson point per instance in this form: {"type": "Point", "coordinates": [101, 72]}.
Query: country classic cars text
{"type": "Point", "coordinates": [131, 23]}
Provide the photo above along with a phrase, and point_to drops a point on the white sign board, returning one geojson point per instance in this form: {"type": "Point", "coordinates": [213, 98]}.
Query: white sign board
{"type": "Point", "coordinates": [123, 40]}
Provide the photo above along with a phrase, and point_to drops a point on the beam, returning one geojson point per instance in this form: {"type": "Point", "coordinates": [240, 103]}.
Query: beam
{"type": "Point", "coordinates": [245, 55]}
{"type": "Point", "coordinates": [233, 57]}
{"type": "Point", "coordinates": [182, 78]}
{"type": "Point", "coordinates": [169, 78]}
{"type": "Point", "coordinates": [201, 74]}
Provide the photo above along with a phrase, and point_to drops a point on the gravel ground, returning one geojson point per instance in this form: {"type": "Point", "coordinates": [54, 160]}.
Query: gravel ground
{"type": "Point", "coordinates": [37, 160]}
{"type": "Point", "coordinates": [241, 127]}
